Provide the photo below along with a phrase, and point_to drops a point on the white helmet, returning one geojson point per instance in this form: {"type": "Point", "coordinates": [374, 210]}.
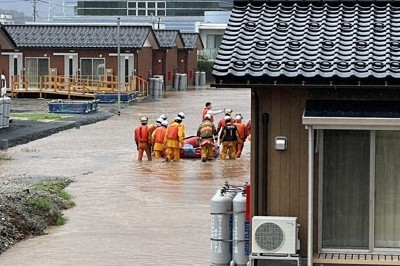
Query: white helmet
{"type": "Point", "coordinates": [228, 111]}
{"type": "Point", "coordinates": [164, 123]}
{"type": "Point", "coordinates": [207, 116]}
{"type": "Point", "coordinates": [181, 115]}
{"type": "Point", "coordinates": [227, 117]}
{"type": "Point", "coordinates": [238, 117]}
{"type": "Point", "coordinates": [159, 120]}
{"type": "Point", "coordinates": [163, 117]}
{"type": "Point", "coordinates": [177, 118]}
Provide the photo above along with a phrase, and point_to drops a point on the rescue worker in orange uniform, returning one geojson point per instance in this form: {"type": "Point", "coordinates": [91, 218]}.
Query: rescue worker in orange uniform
{"type": "Point", "coordinates": [181, 115]}
{"type": "Point", "coordinates": [207, 110]}
{"type": "Point", "coordinates": [207, 133]}
{"type": "Point", "coordinates": [228, 138]}
{"type": "Point", "coordinates": [248, 125]}
{"type": "Point", "coordinates": [173, 140]}
{"type": "Point", "coordinates": [142, 139]}
{"type": "Point", "coordinates": [222, 122]}
{"type": "Point", "coordinates": [157, 139]}
{"type": "Point", "coordinates": [243, 133]}
{"type": "Point", "coordinates": [152, 128]}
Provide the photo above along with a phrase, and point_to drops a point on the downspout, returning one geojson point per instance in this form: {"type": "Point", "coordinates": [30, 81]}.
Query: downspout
{"type": "Point", "coordinates": [310, 195]}
{"type": "Point", "coordinates": [265, 121]}
{"type": "Point", "coordinates": [255, 140]}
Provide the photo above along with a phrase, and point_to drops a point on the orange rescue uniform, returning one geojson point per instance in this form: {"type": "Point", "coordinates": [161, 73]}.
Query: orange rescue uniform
{"type": "Point", "coordinates": [173, 140]}
{"type": "Point", "coordinates": [143, 141]}
{"type": "Point", "coordinates": [243, 133]}
{"type": "Point", "coordinates": [158, 141]}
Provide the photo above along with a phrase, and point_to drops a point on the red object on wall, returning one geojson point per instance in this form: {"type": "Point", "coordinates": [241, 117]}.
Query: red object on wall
{"type": "Point", "coordinates": [190, 74]}
{"type": "Point", "coordinates": [248, 218]}
{"type": "Point", "coordinates": [169, 75]}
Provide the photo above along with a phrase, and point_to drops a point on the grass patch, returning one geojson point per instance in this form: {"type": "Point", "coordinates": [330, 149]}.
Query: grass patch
{"type": "Point", "coordinates": [28, 150]}
{"type": "Point", "coordinates": [5, 157]}
{"type": "Point", "coordinates": [38, 117]}
{"type": "Point", "coordinates": [51, 197]}
{"type": "Point", "coordinates": [41, 203]}
{"type": "Point", "coordinates": [47, 206]}
{"type": "Point", "coordinates": [55, 187]}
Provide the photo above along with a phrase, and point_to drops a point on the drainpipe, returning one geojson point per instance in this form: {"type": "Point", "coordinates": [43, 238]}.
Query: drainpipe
{"type": "Point", "coordinates": [310, 195]}
{"type": "Point", "coordinates": [265, 121]}
{"type": "Point", "coordinates": [255, 140]}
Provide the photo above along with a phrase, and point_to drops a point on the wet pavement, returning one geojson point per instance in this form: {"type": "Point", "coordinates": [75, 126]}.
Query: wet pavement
{"type": "Point", "coordinates": [129, 212]}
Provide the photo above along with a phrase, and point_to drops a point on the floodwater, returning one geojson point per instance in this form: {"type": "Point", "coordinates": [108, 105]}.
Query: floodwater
{"type": "Point", "coordinates": [129, 212]}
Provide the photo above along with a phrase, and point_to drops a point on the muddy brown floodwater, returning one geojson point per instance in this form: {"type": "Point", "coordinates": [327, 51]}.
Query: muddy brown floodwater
{"type": "Point", "coordinates": [129, 212]}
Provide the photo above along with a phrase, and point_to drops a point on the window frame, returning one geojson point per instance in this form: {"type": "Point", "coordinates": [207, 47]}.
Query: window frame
{"type": "Point", "coordinates": [372, 181]}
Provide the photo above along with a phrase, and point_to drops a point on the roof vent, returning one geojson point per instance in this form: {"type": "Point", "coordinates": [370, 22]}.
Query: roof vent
{"type": "Point", "coordinates": [261, 44]}
{"type": "Point", "coordinates": [257, 64]}
{"type": "Point", "coordinates": [346, 26]}
{"type": "Point", "coordinates": [308, 64]}
{"type": "Point", "coordinates": [328, 45]}
{"type": "Point", "coordinates": [395, 65]}
{"type": "Point", "coordinates": [273, 64]}
{"type": "Point", "coordinates": [325, 64]}
{"type": "Point", "coordinates": [378, 65]}
{"type": "Point", "coordinates": [395, 45]}
{"type": "Point", "coordinates": [361, 45]}
{"type": "Point", "coordinates": [314, 26]}
{"type": "Point", "coordinates": [359, 64]}
{"type": "Point", "coordinates": [239, 65]}
{"type": "Point", "coordinates": [379, 26]}
{"type": "Point", "coordinates": [250, 25]}
{"type": "Point", "coordinates": [282, 26]}
{"type": "Point", "coordinates": [343, 64]}
{"type": "Point", "coordinates": [294, 44]}
{"type": "Point", "coordinates": [291, 64]}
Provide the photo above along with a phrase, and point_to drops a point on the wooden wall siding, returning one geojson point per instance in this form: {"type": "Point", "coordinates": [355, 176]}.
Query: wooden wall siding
{"type": "Point", "coordinates": [144, 62]}
{"type": "Point", "coordinates": [286, 170]}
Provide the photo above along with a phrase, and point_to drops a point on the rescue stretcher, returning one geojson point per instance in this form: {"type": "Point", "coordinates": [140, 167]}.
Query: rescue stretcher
{"type": "Point", "coordinates": [191, 148]}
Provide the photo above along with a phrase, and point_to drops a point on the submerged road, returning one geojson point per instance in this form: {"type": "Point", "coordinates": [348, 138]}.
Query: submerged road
{"type": "Point", "coordinates": [129, 212]}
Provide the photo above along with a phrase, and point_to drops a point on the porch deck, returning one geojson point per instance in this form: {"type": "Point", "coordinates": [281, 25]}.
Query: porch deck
{"type": "Point", "coordinates": [355, 259]}
{"type": "Point", "coordinates": [76, 87]}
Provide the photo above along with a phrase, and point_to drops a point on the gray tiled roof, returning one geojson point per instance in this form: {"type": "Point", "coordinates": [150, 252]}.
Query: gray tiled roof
{"type": "Point", "coordinates": [300, 40]}
{"type": "Point", "coordinates": [168, 38]}
{"type": "Point", "coordinates": [73, 36]}
{"type": "Point", "coordinates": [191, 40]}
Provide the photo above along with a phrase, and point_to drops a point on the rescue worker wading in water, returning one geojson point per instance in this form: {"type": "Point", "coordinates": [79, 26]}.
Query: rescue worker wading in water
{"type": "Point", "coordinates": [173, 140]}
{"type": "Point", "coordinates": [142, 139]}
{"type": "Point", "coordinates": [207, 132]}
{"type": "Point", "coordinates": [207, 110]}
{"type": "Point", "coordinates": [243, 133]}
{"type": "Point", "coordinates": [228, 138]}
{"type": "Point", "coordinates": [157, 139]}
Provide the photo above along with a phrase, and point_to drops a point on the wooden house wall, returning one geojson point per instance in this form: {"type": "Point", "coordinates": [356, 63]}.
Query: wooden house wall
{"type": "Point", "coordinates": [279, 178]}
{"type": "Point", "coordinates": [191, 65]}
{"type": "Point", "coordinates": [144, 63]}
{"type": "Point", "coordinates": [171, 66]}
{"type": "Point", "coordinates": [159, 62]}
{"type": "Point", "coordinates": [165, 63]}
{"type": "Point", "coordinates": [188, 65]}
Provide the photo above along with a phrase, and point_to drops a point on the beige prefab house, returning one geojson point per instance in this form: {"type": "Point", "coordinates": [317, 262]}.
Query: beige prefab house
{"type": "Point", "coordinates": [325, 106]}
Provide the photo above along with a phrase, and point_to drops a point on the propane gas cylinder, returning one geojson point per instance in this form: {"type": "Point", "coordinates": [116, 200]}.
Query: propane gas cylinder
{"type": "Point", "coordinates": [221, 220]}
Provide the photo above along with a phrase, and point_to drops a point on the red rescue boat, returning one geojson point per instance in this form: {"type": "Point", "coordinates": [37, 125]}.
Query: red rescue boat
{"type": "Point", "coordinates": [191, 148]}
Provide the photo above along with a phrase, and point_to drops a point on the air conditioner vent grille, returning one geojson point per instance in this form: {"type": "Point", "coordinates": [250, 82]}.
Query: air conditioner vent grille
{"type": "Point", "coordinates": [269, 236]}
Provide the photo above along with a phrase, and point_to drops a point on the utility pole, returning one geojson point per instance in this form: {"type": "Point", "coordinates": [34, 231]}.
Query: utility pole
{"type": "Point", "coordinates": [34, 10]}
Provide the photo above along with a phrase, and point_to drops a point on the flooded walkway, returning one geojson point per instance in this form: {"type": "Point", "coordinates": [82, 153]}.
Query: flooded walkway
{"type": "Point", "coordinates": [129, 212]}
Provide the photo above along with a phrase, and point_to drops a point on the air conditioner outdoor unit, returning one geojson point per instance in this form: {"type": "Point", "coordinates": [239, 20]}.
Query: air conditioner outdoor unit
{"type": "Point", "coordinates": [275, 235]}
